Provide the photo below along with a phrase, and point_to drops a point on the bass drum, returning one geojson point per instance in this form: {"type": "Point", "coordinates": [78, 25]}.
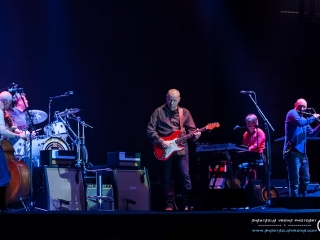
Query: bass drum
{"type": "Point", "coordinates": [55, 143]}
{"type": "Point", "coordinates": [47, 144]}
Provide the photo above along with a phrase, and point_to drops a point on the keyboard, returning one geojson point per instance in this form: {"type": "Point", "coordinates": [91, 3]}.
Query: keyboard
{"type": "Point", "coordinates": [221, 147]}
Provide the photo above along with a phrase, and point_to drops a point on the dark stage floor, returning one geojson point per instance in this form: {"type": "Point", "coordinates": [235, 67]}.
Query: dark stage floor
{"type": "Point", "coordinates": [255, 223]}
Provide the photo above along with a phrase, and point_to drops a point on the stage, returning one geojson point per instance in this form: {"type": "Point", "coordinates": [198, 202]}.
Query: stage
{"type": "Point", "coordinates": [255, 223]}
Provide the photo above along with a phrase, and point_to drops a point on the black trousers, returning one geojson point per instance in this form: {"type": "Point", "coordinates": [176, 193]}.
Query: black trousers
{"type": "Point", "coordinates": [176, 174]}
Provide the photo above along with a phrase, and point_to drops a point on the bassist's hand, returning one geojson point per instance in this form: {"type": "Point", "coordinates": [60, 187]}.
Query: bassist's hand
{"type": "Point", "coordinates": [166, 144]}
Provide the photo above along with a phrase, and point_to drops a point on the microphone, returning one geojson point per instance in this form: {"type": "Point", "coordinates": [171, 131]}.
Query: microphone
{"type": "Point", "coordinates": [64, 201]}
{"type": "Point", "coordinates": [14, 90]}
{"type": "Point", "coordinates": [67, 94]}
{"type": "Point", "coordinates": [130, 201]}
{"type": "Point", "coordinates": [307, 110]}
{"type": "Point", "coordinates": [236, 127]}
{"type": "Point", "coordinates": [10, 89]}
{"type": "Point", "coordinates": [246, 92]}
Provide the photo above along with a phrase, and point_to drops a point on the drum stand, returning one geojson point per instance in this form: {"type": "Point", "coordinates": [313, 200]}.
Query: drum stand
{"type": "Point", "coordinates": [76, 139]}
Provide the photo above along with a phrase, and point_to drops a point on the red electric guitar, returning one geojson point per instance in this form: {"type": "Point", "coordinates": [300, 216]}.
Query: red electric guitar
{"type": "Point", "coordinates": [164, 153]}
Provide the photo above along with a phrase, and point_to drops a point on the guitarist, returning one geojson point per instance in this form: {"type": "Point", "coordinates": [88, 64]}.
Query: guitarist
{"type": "Point", "coordinates": [164, 121]}
{"type": "Point", "coordinates": [5, 103]}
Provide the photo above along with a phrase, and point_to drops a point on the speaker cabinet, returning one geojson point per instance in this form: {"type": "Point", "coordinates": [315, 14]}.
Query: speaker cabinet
{"type": "Point", "coordinates": [132, 190]}
{"type": "Point", "coordinates": [92, 204]}
{"type": "Point", "coordinates": [58, 189]}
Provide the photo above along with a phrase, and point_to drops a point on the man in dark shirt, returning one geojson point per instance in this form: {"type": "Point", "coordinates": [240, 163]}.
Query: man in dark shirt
{"type": "Point", "coordinates": [164, 121]}
{"type": "Point", "coordinates": [297, 129]}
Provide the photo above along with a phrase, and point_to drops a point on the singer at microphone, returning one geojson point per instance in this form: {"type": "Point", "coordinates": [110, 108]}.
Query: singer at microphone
{"type": "Point", "coordinates": [297, 130]}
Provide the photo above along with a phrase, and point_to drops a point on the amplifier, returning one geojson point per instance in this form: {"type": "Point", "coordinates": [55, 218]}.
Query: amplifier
{"type": "Point", "coordinates": [58, 157]}
{"type": "Point", "coordinates": [123, 159]}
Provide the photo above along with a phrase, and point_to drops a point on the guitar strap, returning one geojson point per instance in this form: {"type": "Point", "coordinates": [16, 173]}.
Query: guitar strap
{"type": "Point", "coordinates": [181, 118]}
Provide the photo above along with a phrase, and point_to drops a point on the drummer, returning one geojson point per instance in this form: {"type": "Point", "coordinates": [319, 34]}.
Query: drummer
{"type": "Point", "coordinates": [17, 113]}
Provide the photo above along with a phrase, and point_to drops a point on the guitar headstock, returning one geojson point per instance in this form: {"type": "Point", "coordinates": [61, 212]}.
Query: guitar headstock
{"type": "Point", "coordinates": [211, 126]}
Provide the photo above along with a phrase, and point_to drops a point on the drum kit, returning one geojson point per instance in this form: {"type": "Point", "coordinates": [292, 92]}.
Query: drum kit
{"type": "Point", "coordinates": [56, 135]}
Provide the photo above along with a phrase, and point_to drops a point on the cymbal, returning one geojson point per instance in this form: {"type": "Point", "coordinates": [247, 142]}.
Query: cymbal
{"type": "Point", "coordinates": [68, 111]}
{"type": "Point", "coordinates": [37, 116]}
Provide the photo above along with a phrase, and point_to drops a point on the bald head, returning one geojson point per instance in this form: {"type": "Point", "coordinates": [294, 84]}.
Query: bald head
{"type": "Point", "coordinates": [5, 100]}
{"type": "Point", "coordinates": [173, 98]}
{"type": "Point", "coordinates": [173, 93]}
{"type": "Point", "coordinates": [300, 104]}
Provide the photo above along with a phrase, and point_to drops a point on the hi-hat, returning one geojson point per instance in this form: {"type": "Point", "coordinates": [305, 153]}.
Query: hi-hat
{"type": "Point", "coordinates": [37, 116]}
{"type": "Point", "coordinates": [68, 111]}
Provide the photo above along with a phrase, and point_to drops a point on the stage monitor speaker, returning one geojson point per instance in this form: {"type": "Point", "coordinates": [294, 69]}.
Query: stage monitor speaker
{"type": "Point", "coordinates": [59, 189]}
{"type": "Point", "coordinates": [92, 205]}
{"type": "Point", "coordinates": [258, 196]}
{"type": "Point", "coordinates": [132, 190]}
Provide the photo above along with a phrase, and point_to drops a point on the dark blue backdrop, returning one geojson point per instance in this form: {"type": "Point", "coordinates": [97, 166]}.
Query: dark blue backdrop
{"type": "Point", "coordinates": [121, 57]}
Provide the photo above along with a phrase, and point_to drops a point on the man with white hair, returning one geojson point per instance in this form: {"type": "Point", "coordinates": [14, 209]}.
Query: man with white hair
{"type": "Point", "coordinates": [5, 103]}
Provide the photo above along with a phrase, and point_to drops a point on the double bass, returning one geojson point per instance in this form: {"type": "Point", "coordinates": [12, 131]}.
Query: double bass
{"type": "Point", "coordinates": [19, 185]}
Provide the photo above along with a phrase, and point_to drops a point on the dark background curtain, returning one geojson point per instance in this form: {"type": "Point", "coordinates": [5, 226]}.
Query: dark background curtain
{"type": "Point", "coordinates": [121, 57]}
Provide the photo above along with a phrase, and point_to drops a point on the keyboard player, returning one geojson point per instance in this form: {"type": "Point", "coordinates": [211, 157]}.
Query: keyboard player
{"type": "Point", "coordinates": [255, 139]}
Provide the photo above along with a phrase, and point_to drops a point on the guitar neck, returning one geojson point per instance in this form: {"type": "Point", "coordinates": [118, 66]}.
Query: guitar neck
{"type": "Point", "coordinates": [190, 135]}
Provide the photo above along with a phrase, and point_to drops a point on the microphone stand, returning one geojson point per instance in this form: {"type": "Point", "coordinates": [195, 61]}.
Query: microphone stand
{"type": "Point", "coordinates": [31, 129]}
{"type": "Point", "coordinates": [49, 110]}
{"type": "Point", "coordinates": [77, 139]}
{"type": "Point", "coordinates": [268, 146]}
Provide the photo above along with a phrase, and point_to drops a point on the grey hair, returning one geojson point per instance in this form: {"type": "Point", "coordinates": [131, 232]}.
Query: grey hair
{"type": "Point", "coordinates": [251, 118]}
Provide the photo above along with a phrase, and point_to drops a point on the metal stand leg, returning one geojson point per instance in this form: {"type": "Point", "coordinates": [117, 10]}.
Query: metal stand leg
{"type": "Point", "coordinates": [99, 199]}
{"type": "Point", "coordinates": [24, 205]}
{"type": "Point", "coordinates": [99, 189]}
